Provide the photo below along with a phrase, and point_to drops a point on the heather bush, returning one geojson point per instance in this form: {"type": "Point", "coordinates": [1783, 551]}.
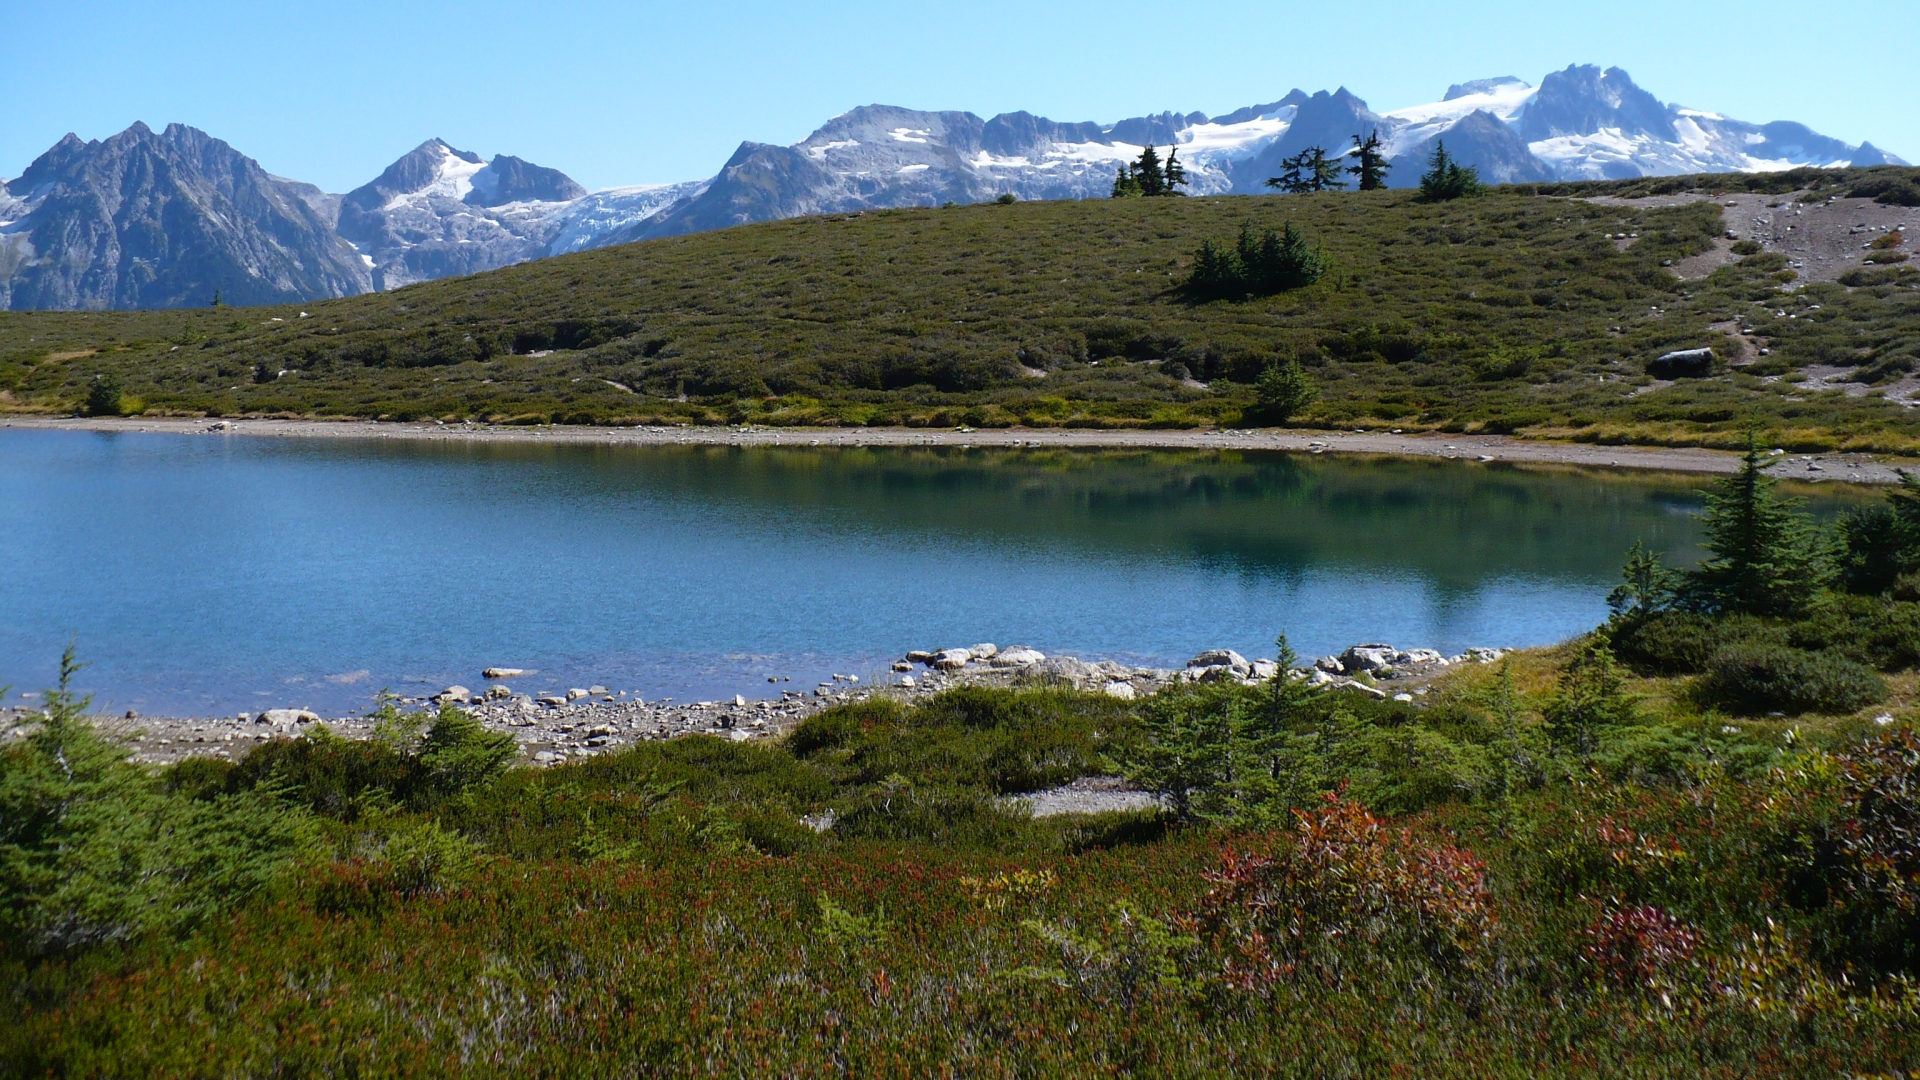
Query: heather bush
{"type": "Point", "coordinates": [1753, 679]}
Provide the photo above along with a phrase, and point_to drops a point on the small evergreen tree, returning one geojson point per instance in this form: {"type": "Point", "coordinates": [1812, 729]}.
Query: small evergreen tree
{"type": "Point", "coordinates": [1309, 170]}
{"type": "Point", "coordinates": [1881, 544]}
{"type": "Point", "coordinates": [106, 397]}
{"type": "Point", "coordinates": [1126, 185]}
{"type": "Point", "coordinates": [1174, 175]}
{"type": "Point", "coordinates": [1645, 587]}
{"type": "Point", "coordinates": [1446, 178]}
{"type": "Point", "coordinates": [1284, 390]}
{"type": "Point", "coordinates": [1592, 698]}
{"type": "Point", "coordinates": [1275, 262]}
{"type": "Point", "coordinates": [1766, 558]}
{"type": "Point", "coordinates": [1147, 171]}
{"type": "Point", "coordinates": [1370, 171]}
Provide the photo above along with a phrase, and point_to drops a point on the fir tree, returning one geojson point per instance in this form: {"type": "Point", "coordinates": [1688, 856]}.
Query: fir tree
{"type": "Point", "coordinates": [1766, 558]}
{"type": "Point", "coordinates": [1126, 185]}
{"type": "Point", "coordinates": [1592, 699]}
{"type": "Point", "coordinates": [1309, 170]}
{"type": "Point", "coordinates": [1174, 175]}
{"type": "Point", "coordinates": [1284, 391]}
{"type": "Point", "coordinates": [1371, 170]}
{"type": "Point", "coordinates": [1446, 178]}
{"type": "Point", "coordinates": [1645, 587]}
{"type": "Point", "coordinates": [1148, 173]}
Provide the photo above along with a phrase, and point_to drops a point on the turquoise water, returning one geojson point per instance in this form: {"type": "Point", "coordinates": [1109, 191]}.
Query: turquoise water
{"type": "Point", "coordinates": [212, 574]}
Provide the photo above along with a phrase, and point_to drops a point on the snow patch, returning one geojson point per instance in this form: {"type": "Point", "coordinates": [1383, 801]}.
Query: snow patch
{"type": "Point", "coordinates": [913, 135]}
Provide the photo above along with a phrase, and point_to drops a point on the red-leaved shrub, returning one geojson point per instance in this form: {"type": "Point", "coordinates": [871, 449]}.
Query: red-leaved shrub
{"type": "Point", "coordinates": [1342, 889]}
{"type": "Point", "coordinates": [1635, 946]}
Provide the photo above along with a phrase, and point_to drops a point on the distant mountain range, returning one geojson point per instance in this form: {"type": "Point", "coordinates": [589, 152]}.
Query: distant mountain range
{"type": "Point", "coordinates": [168, 219]}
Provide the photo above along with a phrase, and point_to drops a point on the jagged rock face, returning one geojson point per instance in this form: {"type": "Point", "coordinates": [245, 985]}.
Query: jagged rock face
{"type": "Point", "coordinates": [145, 220]}
{"type": "Point", "coordinates": [438, 212]}
{"type": "Point", "coordinates": [1329, 121]}
{"type": "Point", "coordinates": [1583, 100]}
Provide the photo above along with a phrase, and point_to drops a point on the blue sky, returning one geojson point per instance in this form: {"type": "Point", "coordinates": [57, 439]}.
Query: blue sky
{"type": "Point", "coordinates": [624, 93]}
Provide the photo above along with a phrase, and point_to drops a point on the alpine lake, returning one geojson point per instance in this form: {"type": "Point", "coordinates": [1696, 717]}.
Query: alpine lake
{"type": "Point", "coordinates": [205, 575]}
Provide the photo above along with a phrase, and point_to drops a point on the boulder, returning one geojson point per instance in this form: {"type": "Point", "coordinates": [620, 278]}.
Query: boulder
{"type": "Point", "coordinates": [1018, 656]}
{"type": "Point", "coordinates": [576, 694]}
{"type": "Point", "coordinates": [1121, 690]}
{"type": "Point", "coordinates": [1372, 692]}
{"type": "Point", "coordinates": [1417, 656]}
{"type": "Point", "coordinates": [1360, 658]}
{"type": "Point", "coordinates": [1218, 658]}
{"type": "Point", "coordinates": [1067, 668]}
{"type": "Point", "coordinates": [906, 681]}
{"type": "Point", "coordinates": [1319, 677]}
{"type": "Point", "coordinates": [1330, 665]}
{"type": "Point", "coordinates": [952, 659]}
{"type": "Point", "coordinates": [496, 692]}
{"type": "Point", "coordinates": [1216, 673]}
{"type": "Point", "coordinates": [454, 693]}
{"type": "Point", "coordinates": [286, 717]}
{"type": "Point", "coordinates": [504, 672]}
{"type": "Point", "coordinates": [985, 651]}
{"type": "Point", "coordinates": [920, 657]}
{"type": "Point", "coordinates": [1485, 656]}
{"type": "Point", "coordinates": [1264, 669]}
{"type": "Point", "coordinates": [597, 691]}
{"type": "Point", "coordinates": [902, 665]}
{"type": "Point", "coordinates": [1682, 364]}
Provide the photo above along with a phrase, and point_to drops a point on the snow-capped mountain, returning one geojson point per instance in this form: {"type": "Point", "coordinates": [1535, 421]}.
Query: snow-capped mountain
{"type": "Point", "coordinates": [144, 220]}
{"type": "Point", "coordinates": [439, 211]}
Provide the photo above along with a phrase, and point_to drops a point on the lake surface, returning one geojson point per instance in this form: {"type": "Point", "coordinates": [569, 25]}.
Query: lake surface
{"type": "Point", "coordinates": [202, 575]}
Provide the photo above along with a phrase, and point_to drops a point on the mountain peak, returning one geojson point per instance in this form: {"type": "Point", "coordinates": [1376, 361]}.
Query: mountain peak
{"type": "Point", "coordinates": [1476, 87]}
{"type": "Point", "coordinates": [1584, 99]}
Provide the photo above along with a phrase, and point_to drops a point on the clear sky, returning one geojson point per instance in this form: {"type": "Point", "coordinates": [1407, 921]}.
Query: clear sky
{"type": "Point", "coordinates": [626, 93]}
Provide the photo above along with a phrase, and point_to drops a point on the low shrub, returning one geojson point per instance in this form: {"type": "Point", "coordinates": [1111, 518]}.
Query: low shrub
{"type": "Point", "coordinates": [1761, 678]}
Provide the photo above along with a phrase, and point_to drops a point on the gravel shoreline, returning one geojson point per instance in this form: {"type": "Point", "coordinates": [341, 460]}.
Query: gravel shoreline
{"type": "Point", "coordinates": [1851, 467]}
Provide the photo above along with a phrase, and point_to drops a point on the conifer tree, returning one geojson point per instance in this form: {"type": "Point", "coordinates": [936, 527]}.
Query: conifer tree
{"type": "Point", "coordinates": [1766, 558]}
{"type": "Point", "coordinates": [1148, 173]}
{"type": "Point", "coordinates": [1446, 178]}
{"type": "Point", "coordinates": [1309, 170]}
{"type": "Point", "coordinates": [1174, 175]}
{"type": "Point", "coordinates": [1126, 185]}
{"type": "Point", "coordinates": [1284, 391]}
{"type": "Point", "coordinates": [1371, 170]}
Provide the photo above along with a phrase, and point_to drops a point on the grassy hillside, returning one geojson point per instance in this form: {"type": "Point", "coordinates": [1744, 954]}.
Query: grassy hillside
{"type": "Point", "coordinates": [1515, 311]}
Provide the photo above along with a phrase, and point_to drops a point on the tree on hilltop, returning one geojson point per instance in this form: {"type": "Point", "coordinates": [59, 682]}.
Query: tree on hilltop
{"type": "Point", "coordinates": [1148, 177]}
{"type": "Point", "coordinates": [1446, 178]}
{"type": "Point", "coordinates": [1371, 169]}
{"type": "Point", "coordinates": [1309, 170]}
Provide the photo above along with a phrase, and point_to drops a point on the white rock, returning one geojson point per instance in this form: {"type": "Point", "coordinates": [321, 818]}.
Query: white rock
{"type": "Point", "coordinates": [1417, 656]}
{"type": "Point", "coordinates": [1122, 690]}
{"type": "Point", "coordinates": [1408, 698]}
{"type": "Point", "coordinates": [920, 657]}
{"type": "Point", "coordinates": [576, 694]}
{"type": "Point", "coordinates": [1360, 658]}
{"type": "Point", "coordinates": [739, 702]}
{"type": "Point", "coordinates": [454, 693]}
{"type": "Point", "coordinates": [504, 672]}
{"type": "Point", "coordinates": [906, 681]}
{"type": "Point", "coordinates": [1485, 656]}
{"type": "Point", "coordinates": [597, 691]}
{"type": "Point", "coordinates": [286, 717]}
{"type": "Point", "coordinates": [1018, 656]}
{"type": "Point", "coordinates": [952, 659]}
{"type": "Point", "coordinates": [497, 692]}
{"type": "Point", "coordinates": [1265, 669]}
{"type": "Point", "coordinates": [1330, 665]}
{"type": "Point", "coordinates": [1218, 658]}
{"type": "Point", "coordinates": [1319, 677]}
{"type": "Point", "coordinates": [1365, 689]}
{"type": "Point", "coordinates": [984, 651]}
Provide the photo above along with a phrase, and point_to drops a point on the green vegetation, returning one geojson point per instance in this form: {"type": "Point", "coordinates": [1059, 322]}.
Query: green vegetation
{"type": "Point", "coordinates": [1307, 171]}
{"type": "Point", "coordinates": [1370, 166]}
{"type": "Point", "coordinates": [1065, 314]}
{"type": "Point", "coordinates": [1149, 178]}
{"type": "Point", "coordinates": [1262, 264]}
{"type": "Point", "coordinates": [1562, 864]}
{"type": "Point", "coordinates": [1447, 179]}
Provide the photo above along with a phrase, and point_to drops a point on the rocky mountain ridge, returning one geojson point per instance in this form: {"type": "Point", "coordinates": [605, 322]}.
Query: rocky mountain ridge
{"type": "Point", "coordinates": [146, 220]}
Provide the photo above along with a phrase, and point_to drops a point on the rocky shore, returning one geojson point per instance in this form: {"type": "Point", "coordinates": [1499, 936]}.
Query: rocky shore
{"type": "Point", "coordinates": [590, 720]}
